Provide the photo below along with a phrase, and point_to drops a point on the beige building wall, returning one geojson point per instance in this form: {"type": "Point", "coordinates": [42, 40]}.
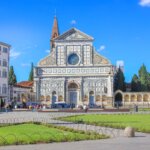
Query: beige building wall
{"type": "Point", "coordinates": [132, 98]}
{"type": "Point", "coordinates": [22, 94]}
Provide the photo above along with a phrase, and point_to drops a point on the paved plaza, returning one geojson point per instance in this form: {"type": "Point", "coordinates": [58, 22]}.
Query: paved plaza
{"type": "Point", "coordinates": [116, 142]}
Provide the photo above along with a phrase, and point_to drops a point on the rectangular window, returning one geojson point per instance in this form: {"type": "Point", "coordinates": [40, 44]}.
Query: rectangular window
{"type": "Point", "coordinates": [0, 50]}
{"type": "Point", "coordinates": [4, 89]}
{"type": "Point", "coordinates": [4, 74]}
{"type": "Point", "coordinates": [0, 63]}
{"type": "Point", "coordinates": [4, 63]}
{"type": "Point", "coordinates": [5, 49]}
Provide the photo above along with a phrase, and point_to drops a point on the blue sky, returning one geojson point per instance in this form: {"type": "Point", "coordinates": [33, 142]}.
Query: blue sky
{"type": "Point", "coordinates": [121, 29]}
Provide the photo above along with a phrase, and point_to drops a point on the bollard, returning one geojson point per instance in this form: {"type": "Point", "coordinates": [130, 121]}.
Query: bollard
{"type": "Point", "coordinates": [129, 132]}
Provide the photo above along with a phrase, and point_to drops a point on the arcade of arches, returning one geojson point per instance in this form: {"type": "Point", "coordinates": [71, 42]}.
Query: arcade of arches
{"type": "Point", "coordinates": [132, 97]}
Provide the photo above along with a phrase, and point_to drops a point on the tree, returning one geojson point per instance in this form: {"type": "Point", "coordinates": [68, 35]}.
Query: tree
{"type": "Point", "coordinates": [135, 84]}
{"type": "Point", "coordinates": [144, 78]}
{"type": "Point", "coordinates": [12, 77]}
{"type": "Point", "coordinates": [31, 73]}
{"type": "Point", "coordinates": [119, 81]}
{"type": "Point", "coordinates": [148, 86]}
{"type": "Point", "coordinates": [2, 103]}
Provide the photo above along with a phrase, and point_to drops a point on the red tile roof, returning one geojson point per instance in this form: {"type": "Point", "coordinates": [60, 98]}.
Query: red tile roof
{"type": "Point", "coordinates": [25, 84]}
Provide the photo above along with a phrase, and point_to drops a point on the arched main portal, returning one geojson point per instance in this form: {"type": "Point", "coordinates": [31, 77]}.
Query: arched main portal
{"type": "Point", "coordinates": [73, 94]}
{"type": "Point", "coordinates": [118, 99]}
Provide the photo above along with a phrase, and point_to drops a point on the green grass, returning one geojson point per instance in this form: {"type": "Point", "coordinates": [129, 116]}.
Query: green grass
{"type": "Point", "coordinates": [141, 109]}
{"type": "Point", "coordinates": [141, 122]}
{"type": "Point", "coordinates": [38, 133]}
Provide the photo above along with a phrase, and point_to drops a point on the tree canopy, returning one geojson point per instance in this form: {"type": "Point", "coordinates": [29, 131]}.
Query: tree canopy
{"type": "Point", "coordinates": [142, 81]}
{"type": "Point", "coordinates": [119, 81]}
{"type": "Point", "coordinates": [135, 84]}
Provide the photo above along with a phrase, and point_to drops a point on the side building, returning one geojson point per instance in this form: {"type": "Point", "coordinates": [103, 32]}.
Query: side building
{"type": "Point", "coordinates": [23, 92]}
{"type": "Point", "coordinates": [4, 68]}
{"type": "Point", "coordinates": [73, 72]}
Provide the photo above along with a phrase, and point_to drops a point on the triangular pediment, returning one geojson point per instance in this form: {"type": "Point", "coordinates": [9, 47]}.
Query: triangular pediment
{"type": "Point", "coordinates": [74, 34]}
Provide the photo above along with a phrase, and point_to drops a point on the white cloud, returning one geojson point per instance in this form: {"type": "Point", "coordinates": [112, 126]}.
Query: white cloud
{"type": "Point", "coordinates": [47, 51]}
{"type": "Point", "coordinates": [73, 22]}
{"type": "Point", "coordinates": [26, 64]}
{"type": "Point", "coordinates": [14, 54]}
{"type": "Point", "coordinates": [101, 48]}
{"type": "Point", "coordinates": [144, 3]}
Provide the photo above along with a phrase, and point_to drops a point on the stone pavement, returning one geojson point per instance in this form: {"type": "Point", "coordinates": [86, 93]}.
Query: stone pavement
{"type": "Point", "coordinates": [121, 143]}
{"type": "Point", "coordinates": [117, 142]}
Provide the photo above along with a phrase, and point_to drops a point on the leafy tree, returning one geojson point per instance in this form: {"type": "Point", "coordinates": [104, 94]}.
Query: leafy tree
{"type": "Point", "coordinates": [135, 84]}
{"type": "Point", "coordinates": [31, 73]}
{"type": "Point", "coordinates": [148, 86]}
{"type": "Point", "coordinates": [12, 77]}
{"type": "Point", "coordinates": [119, 81]}
{"type": "Point", "coordinates": [144, 78]}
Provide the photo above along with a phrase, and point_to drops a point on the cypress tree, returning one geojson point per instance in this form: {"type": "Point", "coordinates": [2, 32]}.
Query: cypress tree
{"type": "Point", "coordinates": [119, 81]}
{"type": "Point", "coordinates": [12, 77]}
{"type": "Point", "coordinates": [144, 78]}
{"type": "Point", "coordinates": [31, 73]}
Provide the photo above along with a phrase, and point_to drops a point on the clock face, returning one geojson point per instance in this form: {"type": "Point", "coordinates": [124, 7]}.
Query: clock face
{"type": "Point", "coordinates": [73, 59]}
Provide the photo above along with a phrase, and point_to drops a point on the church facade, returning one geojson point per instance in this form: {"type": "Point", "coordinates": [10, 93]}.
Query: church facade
{"type": "Point", "coordinates": [73, 72]}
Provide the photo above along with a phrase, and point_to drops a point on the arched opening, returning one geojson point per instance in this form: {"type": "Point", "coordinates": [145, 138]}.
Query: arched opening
{"type": "Point", "coordinates": [133, 98]}
{"type": "Point", "coordinates": [104, 98]}
{"type": "Point", "coordinates": [54, 97]}
{"type": "Point", "coordinates": [72, 86]}
{"type": "Point", "coordinates": [91, 99]}
{"type": "Point", "coordinates": [139, 98]}
{"type": "Point", "coordinates": [118, 100]}
{"type": "Point", "coordinates": [73, 94]}
{"type": "Point", "coordinates": [145, 98]}
{"type": "Point", "coordinates": [126, 98]}
{"type": "Point", "coordinates": [24, 100]}
{"type": "Point", "coordinates": [60, 98]}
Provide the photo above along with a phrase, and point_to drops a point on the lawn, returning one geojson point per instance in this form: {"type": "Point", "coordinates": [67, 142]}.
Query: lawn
{"type": "Point", "coordinates": [141, 109]}
{"type": "Point", "coordinates": [141, 122]}
{"type": "Point", "coordinates": [38, 133]}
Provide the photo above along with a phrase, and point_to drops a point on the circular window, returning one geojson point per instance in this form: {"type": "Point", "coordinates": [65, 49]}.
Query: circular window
{"type": "Point", "coordinates": [73, 59]}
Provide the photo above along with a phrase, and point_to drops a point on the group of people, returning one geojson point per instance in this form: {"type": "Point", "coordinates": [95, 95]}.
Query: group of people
{"type": "Point", "coordinates": [37, 107]}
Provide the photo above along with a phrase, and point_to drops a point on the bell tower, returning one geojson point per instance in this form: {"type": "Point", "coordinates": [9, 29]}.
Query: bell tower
{"type": "Point", "coordinates": [55, 33]}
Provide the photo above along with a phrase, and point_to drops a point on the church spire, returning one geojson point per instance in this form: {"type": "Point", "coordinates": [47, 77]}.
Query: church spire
{"type": "Point", "coordinates": [55, 32]}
